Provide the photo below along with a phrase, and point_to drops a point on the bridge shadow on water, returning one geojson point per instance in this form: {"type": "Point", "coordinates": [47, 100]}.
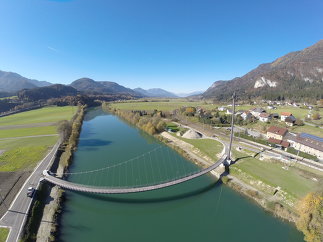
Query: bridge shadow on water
{"type": "Point", "coordinates": [115, 199]}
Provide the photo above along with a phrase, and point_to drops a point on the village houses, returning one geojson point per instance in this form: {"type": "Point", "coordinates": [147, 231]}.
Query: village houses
{"type": "Point", "coordinates": [264, 117]}
{"type": "Point", "coordinates": [284, 115]}
{"type": "Point", "coordinates": [276, 132]}
{"type": "Point", "coordinates": [257, 111]}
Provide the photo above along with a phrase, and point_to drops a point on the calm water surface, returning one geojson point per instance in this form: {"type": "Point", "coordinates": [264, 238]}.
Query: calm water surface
{"type": "Point", "coordinates": [198, 210]}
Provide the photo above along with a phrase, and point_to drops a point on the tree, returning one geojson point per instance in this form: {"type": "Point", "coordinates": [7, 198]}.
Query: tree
{"type": "Point", "coordinates": [64, 128]}
{"type": "Point", "coordinates": [299, 122]}
{"type": "Point", "coordinates": [316, 116]}
{"type": "Point", "coordinates": [310, 221]}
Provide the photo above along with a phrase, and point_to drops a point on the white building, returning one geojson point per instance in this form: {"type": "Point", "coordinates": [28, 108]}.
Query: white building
{"type": "Point", "coordinates": [308, 143]}
{"type": "Point", "coordinates": [264, 117]}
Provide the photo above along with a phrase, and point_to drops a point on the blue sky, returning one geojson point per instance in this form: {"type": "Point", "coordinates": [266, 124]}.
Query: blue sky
{"type": "Point", "coordinates": [178, 45]}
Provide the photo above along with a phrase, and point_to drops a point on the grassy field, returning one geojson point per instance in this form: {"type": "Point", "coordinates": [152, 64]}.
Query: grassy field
{"type": "Point", "coordinates": [43, 115]}
{"type": "Point", "coordinates": [208, 147]}
{"type": "Point", "coordinates": [3, 234]}
{"type": "Point", "coordinates": [295, 181]}
{"type": "Point", "coordinates": [24, 153]}
{"type": "Point", "coordinates": [10, 133]}
{"type": "Point", "coordinates": [162, 106]}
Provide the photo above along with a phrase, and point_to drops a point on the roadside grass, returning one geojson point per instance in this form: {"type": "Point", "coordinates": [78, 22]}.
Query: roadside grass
{"type": "Point", "coordinates": [43, 115]}
{"type": "Point", "coordinates": [3, 234]}
{"type": "Point", "coordinates": [11, 133]}
{"type": "Point", "coordinates": [293, 181]}
{"type": "Point", "coordinates": [22, 157]}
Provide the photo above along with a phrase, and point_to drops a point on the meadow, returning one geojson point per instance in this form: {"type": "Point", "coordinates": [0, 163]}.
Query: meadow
{"type": "Point", "coordinates": [296, 180]}
{"type": "Point", "coordinates": [43, 115]}
{"type": "Point", "coordinates": [21, 152]}
{"type": "Point", "coordinates": [162, 105]}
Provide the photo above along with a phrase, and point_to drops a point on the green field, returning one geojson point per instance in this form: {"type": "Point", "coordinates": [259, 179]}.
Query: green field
{"type": "Point", "coordinates": [162, 106]}
{"type": "Point", "coordinates": [3, 234]}
{"type": "Point", "coordinates": [43, 115]}
{"type": "Point", "coordinates": [208, 147]}
{"type": "Point", "coordinates": [10, 133]}
{"type": "Point", "coordinates": [295, 181]}
{"type": "Point", "coordinates": [25, 153]}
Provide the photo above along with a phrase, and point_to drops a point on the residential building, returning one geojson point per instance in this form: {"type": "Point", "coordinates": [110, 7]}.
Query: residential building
{"type": "Point", "coordinates": [276, 132]}
{"type": "Point", "coordinates": [279, 143]}
{"type": "Point", "coordinates": [246, 115]}
{"type": "Point", "coordinates": [275, 115]}
{"type": "Point", "coordinates": [290, 121]}
{"type": "Point", "coordinates": [308, 143]}
{"type": "Point", "coordinates": [284, 115]}
{"type": "Point", "coordinates": [257, 111]}
{"type": "Point", "coordinates": [264, 117]}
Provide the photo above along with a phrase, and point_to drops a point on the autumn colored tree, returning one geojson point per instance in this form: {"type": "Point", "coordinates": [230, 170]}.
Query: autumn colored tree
{"type": "Point", "coordinates": [316, 116]}
{"type": "Point", "coordinates": [310, 222]}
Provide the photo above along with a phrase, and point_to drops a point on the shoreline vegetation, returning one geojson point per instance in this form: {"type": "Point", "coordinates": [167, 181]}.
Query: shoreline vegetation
{"type": "Point", "coordinates": [48, 199]}
{"type": "Point", "coordinates": [306, 214]}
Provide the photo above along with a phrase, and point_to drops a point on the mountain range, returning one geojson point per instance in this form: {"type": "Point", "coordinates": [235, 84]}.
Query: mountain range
{"type": "Point", "coordinates": [155, 92]}
{"type": "Point", "coordinates": [88, 85]}
{"type": "Point", "coordinates": [297, 75]}
{"type": "Point", "coordinates": [12, 82]}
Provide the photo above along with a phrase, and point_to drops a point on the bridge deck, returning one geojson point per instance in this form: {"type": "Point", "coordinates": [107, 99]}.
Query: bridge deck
{"type": "Point", "coordinates": [108, 190]}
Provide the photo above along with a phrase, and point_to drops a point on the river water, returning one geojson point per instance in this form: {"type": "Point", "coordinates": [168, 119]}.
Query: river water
{"type": "Point", "coordinates": [198, 210]}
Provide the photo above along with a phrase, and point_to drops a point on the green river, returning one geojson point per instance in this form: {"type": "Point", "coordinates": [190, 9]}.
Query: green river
{"type": "Point", "coordinates": [198, 210]}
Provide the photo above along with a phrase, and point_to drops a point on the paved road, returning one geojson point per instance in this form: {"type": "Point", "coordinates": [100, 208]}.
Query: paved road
{"type": "Point", "coordinates": [15, 217]}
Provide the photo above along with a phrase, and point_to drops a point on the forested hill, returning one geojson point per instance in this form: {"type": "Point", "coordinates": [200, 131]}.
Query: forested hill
{"type": "Point", "coordinates": [297, 75]}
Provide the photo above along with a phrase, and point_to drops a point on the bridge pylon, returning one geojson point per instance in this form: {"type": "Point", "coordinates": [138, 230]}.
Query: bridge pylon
{"type": "Point", "coordinates": [228, 160]}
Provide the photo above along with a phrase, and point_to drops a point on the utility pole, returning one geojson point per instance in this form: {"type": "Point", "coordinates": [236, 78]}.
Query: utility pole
{"type": "Point", "coordinates": [232, 125]}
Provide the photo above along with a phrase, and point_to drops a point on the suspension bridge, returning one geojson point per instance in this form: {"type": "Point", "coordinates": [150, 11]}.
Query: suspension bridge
{"type": "Point", "coordinates": [148, 162]}
{"type": "Point", "coordinates": [163, 173]}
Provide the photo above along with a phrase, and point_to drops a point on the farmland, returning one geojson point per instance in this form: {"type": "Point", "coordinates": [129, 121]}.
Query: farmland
{"type": "Point", "coordinates": [296, 180]}
{"type": "Point", "coordinates": [162, 105]}
{"type": "Point", "coordinates": [23, 147]}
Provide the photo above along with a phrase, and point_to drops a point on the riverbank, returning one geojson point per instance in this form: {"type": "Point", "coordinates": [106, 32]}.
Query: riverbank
{"type": "Point", "coordinates": [194, 154]}
{"type": "Point", "coordinates": [43, 228]}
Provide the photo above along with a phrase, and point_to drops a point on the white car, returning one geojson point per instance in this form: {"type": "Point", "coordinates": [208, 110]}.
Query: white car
{"type": "Point", "coordinates": [30, 191]}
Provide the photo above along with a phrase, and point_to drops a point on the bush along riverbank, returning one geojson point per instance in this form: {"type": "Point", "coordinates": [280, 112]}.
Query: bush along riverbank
{"type": "Point", "coordinates": [48, 199]}
{"type": "Point", "coordinates": [151, 123]}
